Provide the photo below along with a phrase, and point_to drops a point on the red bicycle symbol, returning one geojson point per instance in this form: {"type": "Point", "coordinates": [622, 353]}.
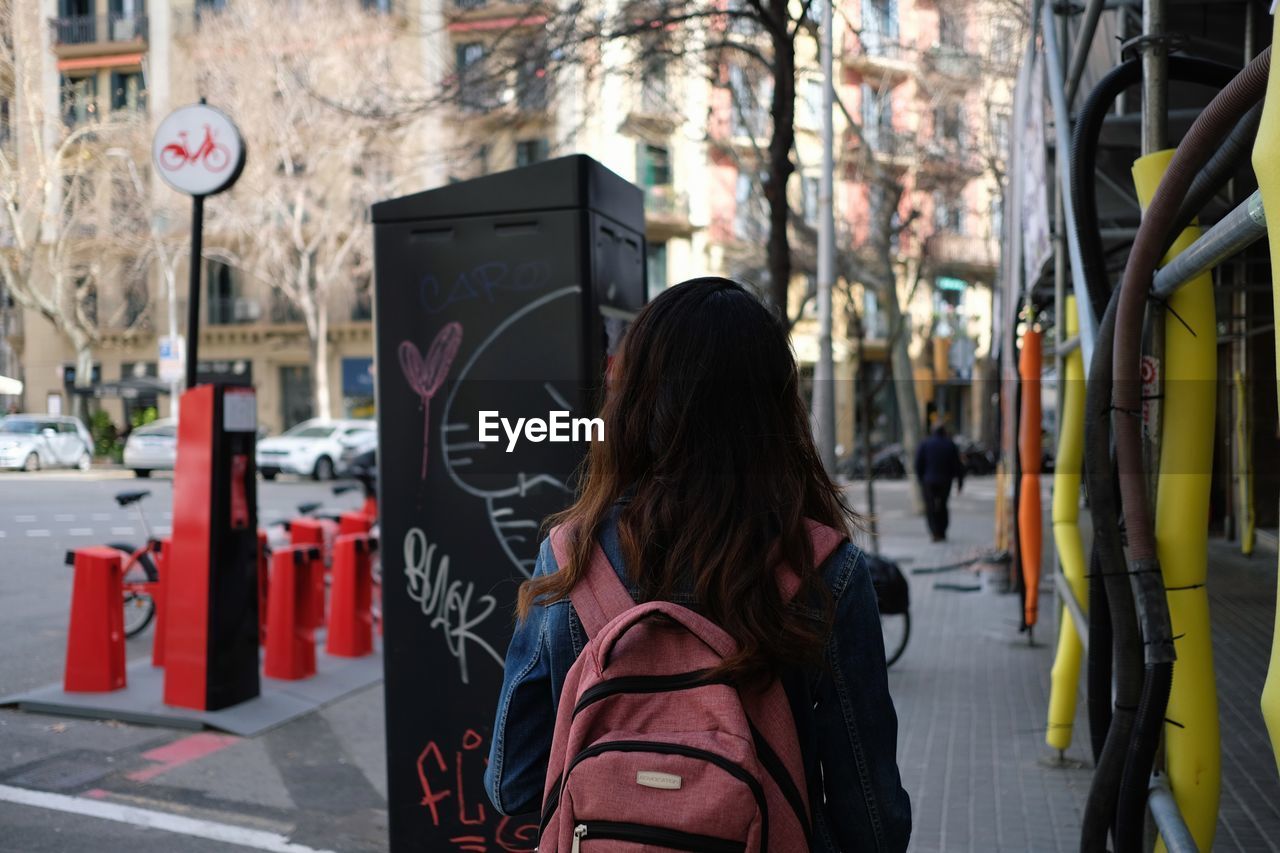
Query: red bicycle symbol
{"type": "Point", "coordinates": [175, 155]}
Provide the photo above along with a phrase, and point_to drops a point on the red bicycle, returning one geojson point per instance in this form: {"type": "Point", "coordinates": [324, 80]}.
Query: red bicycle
{"type": "Point", "coordinates": [175, 155]}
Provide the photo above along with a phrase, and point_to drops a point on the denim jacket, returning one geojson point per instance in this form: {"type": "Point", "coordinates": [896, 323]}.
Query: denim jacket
{"type": "Point", "coordinates": [844, 716]}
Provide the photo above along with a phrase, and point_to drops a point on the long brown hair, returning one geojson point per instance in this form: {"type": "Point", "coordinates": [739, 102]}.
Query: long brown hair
{"type": "Point", "coordinates": [707, 438]}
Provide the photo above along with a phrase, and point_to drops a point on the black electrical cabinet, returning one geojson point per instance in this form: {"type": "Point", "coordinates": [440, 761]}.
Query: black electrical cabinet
{"type": "Point", "coordinates": [505, 294]}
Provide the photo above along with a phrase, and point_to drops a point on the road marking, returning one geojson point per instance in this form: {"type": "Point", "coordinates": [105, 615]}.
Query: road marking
{"type": "Point", "coordinates": [122, 531]}
{"type": "Point", "coordinates": [80, 531]}
{"type": "Point", "coordinates": [24, 519]}
{"type": "Point", "coordinates": [3, 534]}
{"type": "Point", "coordinates": [240, 836]}
{"type": "Point", "coordinates": [64, 517]}
{"type": "Point", "coordinates": [180, 752]}
{"type": "Point", "coordinates": [37, 533]}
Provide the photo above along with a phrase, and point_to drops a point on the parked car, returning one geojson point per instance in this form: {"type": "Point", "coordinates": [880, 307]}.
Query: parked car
{"type": "Point", "coordinates": [32, 442]}
{"type": "Point", "coordinates": [362, 444]}
{"type": "Point", "coordinates": [311, 449]}
{"type": "Point", "coordinates": [153, 447]}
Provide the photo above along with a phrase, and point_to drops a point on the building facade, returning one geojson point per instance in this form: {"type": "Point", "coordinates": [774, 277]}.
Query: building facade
{"type": "Point", "coordinates": [907, 70]}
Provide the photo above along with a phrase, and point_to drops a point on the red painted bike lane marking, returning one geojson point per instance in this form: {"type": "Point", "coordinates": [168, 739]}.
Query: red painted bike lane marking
{"type": "Point", "coordinates": [180, 752]}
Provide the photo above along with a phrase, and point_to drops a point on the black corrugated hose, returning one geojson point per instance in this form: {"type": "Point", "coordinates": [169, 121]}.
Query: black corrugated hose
{"type": "Point", "coordinates": [1084, 147]}
{"type": "Point", "coordinates": [1206, 133]}
{"type": "Point", "coordinates": [1114, 638]}
{"type": "Point", "coordinates": [1222, 166]}
{"type": "Point", "coordinates": [1109, 570]}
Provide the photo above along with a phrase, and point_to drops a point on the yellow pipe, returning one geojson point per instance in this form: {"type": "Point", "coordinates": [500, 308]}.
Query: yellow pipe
{"type": "Point", "coordinates": [1065, 676]}
{"type": "Point", "coordinates": [1266, 165]}
{"type": "Point", "coordinates": [1244, 463]}
{"type": "Point", "coordinates": [1192, 747]}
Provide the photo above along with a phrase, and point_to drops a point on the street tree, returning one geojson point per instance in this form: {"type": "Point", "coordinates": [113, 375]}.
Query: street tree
{"type": "Point", "coordinates": [320, 111]}
{"type": "Point", "coordinates": [65, 215]}
{"type": "Point", "coordinates": [747, 49]}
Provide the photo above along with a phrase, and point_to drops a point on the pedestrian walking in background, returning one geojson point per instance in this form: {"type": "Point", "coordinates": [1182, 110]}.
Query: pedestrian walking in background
{"type": "Point", "coordinates": [708, 493]}
{"type": "Point", "coordinates": [937, 464]}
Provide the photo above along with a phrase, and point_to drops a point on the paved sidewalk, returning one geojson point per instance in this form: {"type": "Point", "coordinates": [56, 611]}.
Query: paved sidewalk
{"type": "Point", "coordinates": [972, 695]}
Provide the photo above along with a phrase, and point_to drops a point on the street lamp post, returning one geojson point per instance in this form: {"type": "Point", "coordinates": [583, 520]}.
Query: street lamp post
{"type": "Point", "coordinates": [824, 411]}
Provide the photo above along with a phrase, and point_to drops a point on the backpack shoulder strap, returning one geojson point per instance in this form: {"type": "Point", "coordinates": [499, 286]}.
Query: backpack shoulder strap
{"type": "Point", "coordinates": [825, 540]}
{"type": "Point", "coordinates": [599, 596]}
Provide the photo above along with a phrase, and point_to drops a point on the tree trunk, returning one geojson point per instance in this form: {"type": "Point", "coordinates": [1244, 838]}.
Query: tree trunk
{"type": "Point", "coordinates": [864, 389]}
{"type": "Point", "coordinates": [780, 165]}
{"type": "Point", "coordinates": [904, 388]}
{"type": "Point", "coordinates": [84, 377]}
{"type": "Point", "coordinates": [320, 361]}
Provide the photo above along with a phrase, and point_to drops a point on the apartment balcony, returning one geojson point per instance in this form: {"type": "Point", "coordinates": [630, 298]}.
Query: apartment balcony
{"type": "Point", "coordinates": [666, 213]}
{"type": "Point", "coordinates": [945, 162]}
{"type": "Point", "coordinates": [465, 16]}
{"type": "Point", "coordinates": [888, 147]}
{"type": "Point", "coordinates": [98, 35]}
{"type": "Point", "coordinates": [652, 113]}
{"type": "Point", "coordinates": [953, 65]}
{"type": "Point", "coordinates": [948, 251]}
{"type": "Point", "coordinates": [878, 56]}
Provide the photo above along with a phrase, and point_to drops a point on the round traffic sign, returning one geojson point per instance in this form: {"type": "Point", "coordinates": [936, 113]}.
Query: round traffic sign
{"type": "Point", "coordinates": [198, 150]}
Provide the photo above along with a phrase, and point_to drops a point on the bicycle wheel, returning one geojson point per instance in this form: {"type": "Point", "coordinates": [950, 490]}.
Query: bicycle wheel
{"type": "Point", "coordinates": [896, 628]}
{"type": "Point", "coordinates": [173, 157]}
{"type": "Point", "coordinates": [139, 609]}
{"type": "Point", "coordinates": [217, 158]}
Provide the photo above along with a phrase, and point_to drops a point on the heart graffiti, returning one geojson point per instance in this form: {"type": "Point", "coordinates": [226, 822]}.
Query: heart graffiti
{"type": "Point", "coordinates": [426, 375]}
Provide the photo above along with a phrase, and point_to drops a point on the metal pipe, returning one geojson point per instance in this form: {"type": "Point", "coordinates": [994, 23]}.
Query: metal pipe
{"type": "Point", "coordinates": [1084, 40]}
{"type": "Point", "coordinates": [1240, 228]}
{"type": "Point", "coordinates": [1164, 809]}
{"type": "Point", "coordinates": [824, 410]}
{"type": "Point", "coordinates": [1062, 133]}
{"type": "Point", "coordinates": [1063, 587]}
{"type": "Point", "coordinates": [1155, 78]}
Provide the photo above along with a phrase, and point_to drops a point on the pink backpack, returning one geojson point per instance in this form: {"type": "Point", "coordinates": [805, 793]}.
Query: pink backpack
{"type": "Point", "coordinates": [650, 755]}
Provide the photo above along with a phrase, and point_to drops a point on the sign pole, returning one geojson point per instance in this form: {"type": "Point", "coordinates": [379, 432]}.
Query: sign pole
{"type": "Point", "coordinates": [197, 150]}
{"type": "Point", "coordinates": [193, 298]}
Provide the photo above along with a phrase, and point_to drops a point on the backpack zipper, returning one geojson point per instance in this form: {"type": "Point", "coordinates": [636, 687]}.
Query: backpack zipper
{"type": "Point", "coordinates": [644, 684]}
{"type": "Point", "coordinates": [732, 768]}
{"type": "Point", "coordinates": [671, 839]}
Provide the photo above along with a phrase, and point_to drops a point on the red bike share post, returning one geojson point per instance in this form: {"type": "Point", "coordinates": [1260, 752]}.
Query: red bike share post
{"type": "Point", "coordinates": [291, 645]}
{"type": "Point", "coordinates": [95, 639]}
{"type": "Point", "coordinates": [160, 553]}
{"type": "Point", "coordinates": [351, 610]}
{"type": "Point", "coordinates": [317, 533]}
{"type": "Point", "coordinates": [358, 522]}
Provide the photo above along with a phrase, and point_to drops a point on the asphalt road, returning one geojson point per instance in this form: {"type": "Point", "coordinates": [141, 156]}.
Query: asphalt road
{"type": "Point", "coordinates": [317, 783]}
{"type": "Point", "coordinates": [45, 514]}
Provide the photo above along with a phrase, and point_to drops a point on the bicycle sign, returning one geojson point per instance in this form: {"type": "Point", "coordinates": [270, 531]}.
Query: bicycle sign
{"type": "Point", "coordinates": [198, 150]}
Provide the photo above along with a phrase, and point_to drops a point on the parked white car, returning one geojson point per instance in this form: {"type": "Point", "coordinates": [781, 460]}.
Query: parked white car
{"type": "Point", "coordinates": [153, 447]}
{"type": "Point", "coordinates": [32, 442]}
{"type": "Point", "coordinates": [311, 449]}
